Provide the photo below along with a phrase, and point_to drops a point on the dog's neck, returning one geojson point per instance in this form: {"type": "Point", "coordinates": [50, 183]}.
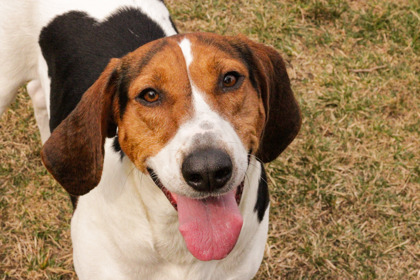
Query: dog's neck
{"type": "Point", "coordinates": [128, 200]}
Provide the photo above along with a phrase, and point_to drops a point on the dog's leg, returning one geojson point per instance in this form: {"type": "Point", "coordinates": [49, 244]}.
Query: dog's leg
{"type": "Point", "coordinates": [8, 94]}
{"type": "Point", "coordinates": [37, 95]}
{"type": "Point", "coordinates": [18, 49]}
{"type": "Point", "coordinates": [16, 68]}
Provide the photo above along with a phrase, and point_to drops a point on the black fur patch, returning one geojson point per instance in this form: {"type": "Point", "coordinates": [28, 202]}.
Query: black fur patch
{"type": "Point", "coordinates": [74, 199]}
{"type": "Point", "coordinates": [263, 197]}
{"type": "Point", "coordinates": [248, 58]}
{"type": "Point", "coordinates": [117, 147]}
{"type": "Point", "coordinates": [123, 84]}
{"type": "Point", "coordinates": [77, 48]}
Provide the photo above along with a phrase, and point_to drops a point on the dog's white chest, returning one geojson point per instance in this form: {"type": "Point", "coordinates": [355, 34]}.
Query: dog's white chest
{"type": "Point", "coordinates": [119, 232]}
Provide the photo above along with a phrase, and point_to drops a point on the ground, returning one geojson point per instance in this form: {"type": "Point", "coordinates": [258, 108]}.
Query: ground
{"type": "Point", "coordinates": [345, 194]}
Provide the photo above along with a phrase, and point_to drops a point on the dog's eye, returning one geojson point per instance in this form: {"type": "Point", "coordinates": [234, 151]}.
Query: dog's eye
{"type": "Point", "coordinates": [230, 79]}
{"type": "Point", "coordinates": [148, 96]}
{"type": "Point", "coordinates": [151, 96]}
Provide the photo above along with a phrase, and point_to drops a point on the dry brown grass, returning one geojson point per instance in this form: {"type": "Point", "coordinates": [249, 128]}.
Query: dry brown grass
{"type": "Point", "coordinates": [345, 194]}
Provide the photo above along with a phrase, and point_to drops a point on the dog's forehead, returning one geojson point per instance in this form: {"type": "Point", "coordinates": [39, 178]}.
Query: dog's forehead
{"type": "Point", "coordinates": [161, 53]}
{"type": "Point", "coordinates": [205, 52]}
{"type": "Point", "coordinates": [179, 63]}
{"type": "Point", "coordinates": [198, 49]}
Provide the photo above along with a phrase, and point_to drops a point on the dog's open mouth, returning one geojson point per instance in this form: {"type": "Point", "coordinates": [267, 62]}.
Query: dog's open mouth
{"type": "Point", "coordinates": [172, 197]}
{"type": "Point", "coordinates": [210, 226]}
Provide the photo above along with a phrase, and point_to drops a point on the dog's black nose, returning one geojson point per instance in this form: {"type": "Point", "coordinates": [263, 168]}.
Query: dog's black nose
{"type": "Point", "coordinates": [207, 169]}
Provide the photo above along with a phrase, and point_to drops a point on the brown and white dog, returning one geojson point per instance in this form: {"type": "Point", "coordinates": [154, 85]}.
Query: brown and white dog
{"type": "Point", "coordinates": [158, 137]}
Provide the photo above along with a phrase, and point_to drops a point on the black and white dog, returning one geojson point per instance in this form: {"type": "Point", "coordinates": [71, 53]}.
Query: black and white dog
{"type": "Point", "coordinates": [158, 137]}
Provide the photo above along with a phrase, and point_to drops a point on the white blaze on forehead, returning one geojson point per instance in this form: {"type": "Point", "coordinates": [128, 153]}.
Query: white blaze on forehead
{"type": "Point", "coordinates": [185, 46]}
{"type": "Point", "coordinates": [200, 105]}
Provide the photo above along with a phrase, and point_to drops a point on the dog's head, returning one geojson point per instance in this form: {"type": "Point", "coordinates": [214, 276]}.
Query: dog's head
{"type": "Point", "coordinates": [189, 110]}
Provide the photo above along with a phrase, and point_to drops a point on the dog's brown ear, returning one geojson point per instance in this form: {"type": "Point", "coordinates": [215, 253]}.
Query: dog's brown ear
{"type": "Point", "coordinates": [74, 153]}
{"type": "Point", "coordinates": [283, 118]}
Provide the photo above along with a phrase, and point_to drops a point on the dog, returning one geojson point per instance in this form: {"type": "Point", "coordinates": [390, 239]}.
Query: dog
{"type": "Point", "coordinates": [158, 137]}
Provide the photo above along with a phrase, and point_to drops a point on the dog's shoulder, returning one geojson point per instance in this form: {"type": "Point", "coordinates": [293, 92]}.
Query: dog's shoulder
{"type": "Point", "coordinates": [77, 47]}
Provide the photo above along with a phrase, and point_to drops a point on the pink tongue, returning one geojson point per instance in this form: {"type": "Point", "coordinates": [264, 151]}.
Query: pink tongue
{"type": "Point", "coordinates": [210, 226]}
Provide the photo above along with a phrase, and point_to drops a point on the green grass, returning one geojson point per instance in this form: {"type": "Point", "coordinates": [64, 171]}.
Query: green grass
{"type": "Point", "coordinates": [344, 196]}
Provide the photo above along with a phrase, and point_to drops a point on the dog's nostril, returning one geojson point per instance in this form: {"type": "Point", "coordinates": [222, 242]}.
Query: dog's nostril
{"type": "Point", "coordinates": [223, 173]}
{"type": "Point", "coordinates": [195, 178]}
{"type": "Point", "coordinates": [207, 169]}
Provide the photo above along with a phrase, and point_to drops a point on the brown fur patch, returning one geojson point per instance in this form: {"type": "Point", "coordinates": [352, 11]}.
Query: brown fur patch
{"type": "Point", "coordinates": [145, 130]}
{"type": "Point", "coordinates": [241, 106]}
{"type": "Point", "coordinates": [263, 110]}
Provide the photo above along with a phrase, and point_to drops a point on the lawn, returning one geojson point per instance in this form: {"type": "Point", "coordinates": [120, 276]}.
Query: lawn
{"type": "Point", "coordinates": [344, 196]}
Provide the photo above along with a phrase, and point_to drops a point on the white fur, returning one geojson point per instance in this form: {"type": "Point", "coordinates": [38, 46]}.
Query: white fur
{"type": "Point", "coordinates": [125, 228]}
{"type": "Point", "coordinates": [40, 108]}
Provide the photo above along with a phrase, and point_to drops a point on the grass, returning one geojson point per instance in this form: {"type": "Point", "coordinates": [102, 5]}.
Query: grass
{"type": "Point", "coordinates": [344, 196]}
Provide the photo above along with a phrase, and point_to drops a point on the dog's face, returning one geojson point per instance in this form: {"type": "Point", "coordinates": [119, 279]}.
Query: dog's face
{"type": "Point", "coordinates": [190, 110]}
{"type": "Point", "coordinates": [190, 103]}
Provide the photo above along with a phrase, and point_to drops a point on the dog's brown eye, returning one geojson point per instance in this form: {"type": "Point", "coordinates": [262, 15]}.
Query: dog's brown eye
{"type": "Point", "coordinates": [151, 96]}
{"type": "Point", "coordinates": [148, 96]}
{"type": "Point", "coordinates": [230, 79]}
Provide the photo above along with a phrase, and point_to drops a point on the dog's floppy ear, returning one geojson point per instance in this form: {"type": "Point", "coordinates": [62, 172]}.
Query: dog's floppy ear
{"type": "Point", "coordinates": [283, 118]}
{"type": "Point", "coordinates": [74, 153]}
